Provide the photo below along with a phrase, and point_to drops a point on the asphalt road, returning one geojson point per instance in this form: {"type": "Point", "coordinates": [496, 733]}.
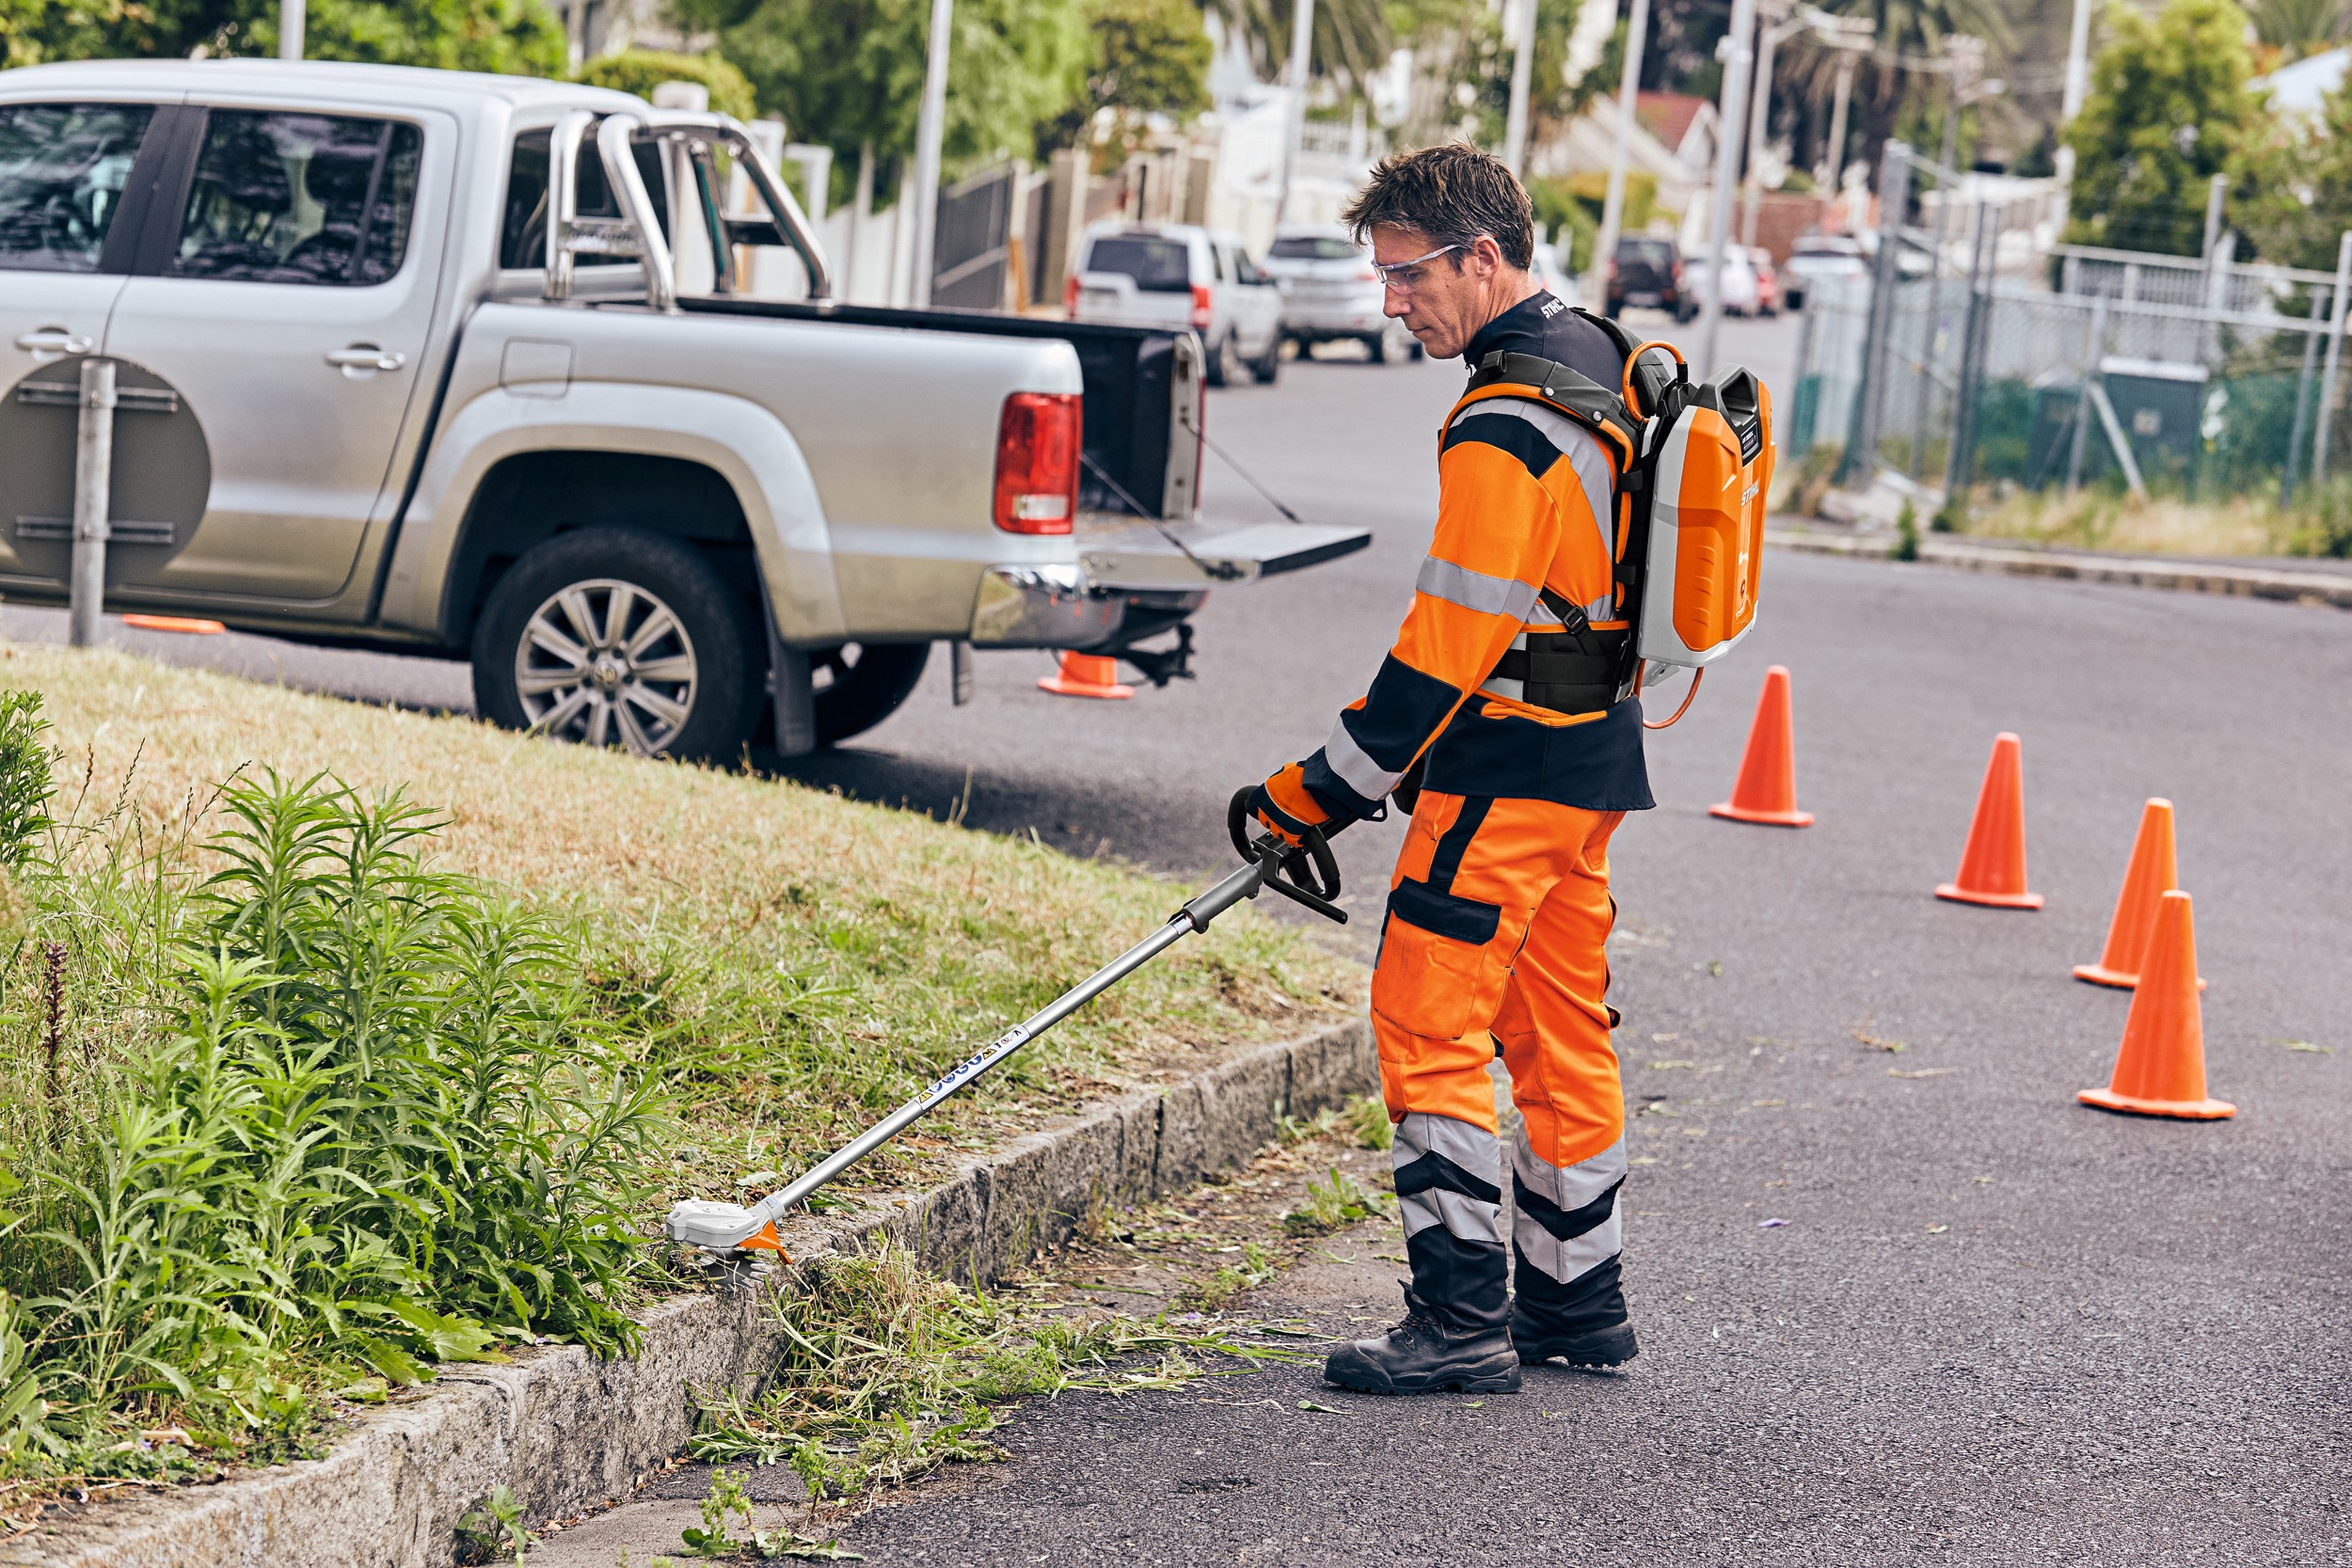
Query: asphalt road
{"type": "Point", "coordinates": [1996, 1327]}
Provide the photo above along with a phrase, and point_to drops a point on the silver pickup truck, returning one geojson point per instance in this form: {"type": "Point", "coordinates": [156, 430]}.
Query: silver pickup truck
{"type": "Point", "coordinates": [473, 365]}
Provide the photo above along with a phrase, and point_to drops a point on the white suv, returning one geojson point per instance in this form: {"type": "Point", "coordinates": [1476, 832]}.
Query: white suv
{"type": "Point", "coordinates": [1331, 294]}
{"type": "Point", "coordinates": [1176, 275]}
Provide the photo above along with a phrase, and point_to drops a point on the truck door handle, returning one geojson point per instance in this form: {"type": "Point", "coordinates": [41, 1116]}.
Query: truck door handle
{"type": "Point", "coordinates": [53, 341]}
{"type": "Point", "coordinates": [361, 357]}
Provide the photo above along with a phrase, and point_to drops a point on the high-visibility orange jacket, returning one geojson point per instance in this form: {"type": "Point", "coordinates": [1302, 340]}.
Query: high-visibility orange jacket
{"type": "Point", "coordinates": [1525, 503]}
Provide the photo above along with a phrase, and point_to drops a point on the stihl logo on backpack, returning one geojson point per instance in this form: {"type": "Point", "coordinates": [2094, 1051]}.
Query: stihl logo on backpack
{"type": "Point", "coordinates": [1692, 469]}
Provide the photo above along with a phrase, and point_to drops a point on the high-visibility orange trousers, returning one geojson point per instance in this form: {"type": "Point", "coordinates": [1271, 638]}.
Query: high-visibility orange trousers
{"type": "Point", "coordinates": [1496, 932]}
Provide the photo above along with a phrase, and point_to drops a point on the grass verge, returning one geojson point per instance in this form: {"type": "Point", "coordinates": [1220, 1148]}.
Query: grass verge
{"type": "Point", "coordinates": [2318, 524]}
{"type": "Point", "coordinates": [305, 1086]}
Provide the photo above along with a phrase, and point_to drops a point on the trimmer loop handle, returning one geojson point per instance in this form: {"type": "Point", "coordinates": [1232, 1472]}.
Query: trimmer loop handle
{"type": "Point", "coordinates": [1307, 875]}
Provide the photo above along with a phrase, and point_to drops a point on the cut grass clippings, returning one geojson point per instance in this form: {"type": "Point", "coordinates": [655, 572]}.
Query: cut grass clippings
{"type": "Point", "coordinates": [753, 969]}
{"type": "Point", "coordinates": [891, 1374]}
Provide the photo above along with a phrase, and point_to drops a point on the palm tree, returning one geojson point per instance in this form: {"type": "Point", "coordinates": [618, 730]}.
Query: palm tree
{"type": "Point", "coordinates": [1351, 37]}
{"type": "Point", "coordinates": [2299, 27]}
{"type": "Point", "coordinates": [1906, 63]}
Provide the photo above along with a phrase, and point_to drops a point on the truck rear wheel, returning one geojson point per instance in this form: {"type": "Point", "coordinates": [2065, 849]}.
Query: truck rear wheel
{"type": "Point", "coordinates": [607, 637]}
{"type": "Point", "coordinates": [861, 684]}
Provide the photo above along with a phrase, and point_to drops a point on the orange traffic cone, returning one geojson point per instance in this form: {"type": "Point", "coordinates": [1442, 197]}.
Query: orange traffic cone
{"type": "Point", "coordinates": [2160, 1070]}
{"type": "Point", "coordinates": [1767, 788]}
{"type": "Point", "coordinates": [1992, 867]}
{"type": "Point", "coordinates": [2152, 874]}
{"type": "Point", "coordinates": [1086, 675]}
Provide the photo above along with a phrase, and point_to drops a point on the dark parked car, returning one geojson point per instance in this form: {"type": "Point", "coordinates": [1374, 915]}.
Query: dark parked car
{"type": "Point", "coordinates": [1648, 271]}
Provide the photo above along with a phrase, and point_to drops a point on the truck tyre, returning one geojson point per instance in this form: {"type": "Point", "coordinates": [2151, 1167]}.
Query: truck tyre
{"type": "Point", "coordinates": [1225, 366]}
{"type": "Point", "coordinates": [607, 637]}
{"type": "Point", "coordinates": [861, 684]}
{"type": "Point", "coordinates": [1268, 367]}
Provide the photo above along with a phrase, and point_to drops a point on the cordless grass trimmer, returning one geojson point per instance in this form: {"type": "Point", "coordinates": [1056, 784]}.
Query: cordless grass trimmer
{"type": "Point", "coordinates": [1307, 875]}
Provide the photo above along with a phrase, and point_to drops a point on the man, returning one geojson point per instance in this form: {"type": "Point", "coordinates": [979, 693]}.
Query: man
{"type": "Point", "coordinates": [1506, 686]}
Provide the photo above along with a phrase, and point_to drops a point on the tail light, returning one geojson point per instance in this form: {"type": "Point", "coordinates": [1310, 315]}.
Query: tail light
{"type": "Point", "coordinates": [1036, 463]}
{"type": "Point", "coordinates": [1069, 296]}
{"type": "Point", "coordinates": [1367, 276]}
{"type": "Point", "coordinates": [1200, 305]}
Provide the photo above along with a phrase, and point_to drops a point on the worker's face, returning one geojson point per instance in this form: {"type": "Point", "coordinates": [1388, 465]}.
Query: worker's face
{"type": "Point", "coordinates": [1445, 300]}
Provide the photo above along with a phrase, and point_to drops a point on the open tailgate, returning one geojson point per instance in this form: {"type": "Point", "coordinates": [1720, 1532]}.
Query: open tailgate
{"type": "Point", "coordinates": [1122, 553]}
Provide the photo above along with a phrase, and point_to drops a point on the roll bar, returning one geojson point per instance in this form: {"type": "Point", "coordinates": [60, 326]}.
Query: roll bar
{"type": "Point", "coordinates": [637, 231]}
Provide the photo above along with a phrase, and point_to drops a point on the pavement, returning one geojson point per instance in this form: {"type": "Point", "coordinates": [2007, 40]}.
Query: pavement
{"type": "Point", "coordinates": [1997, 1326]}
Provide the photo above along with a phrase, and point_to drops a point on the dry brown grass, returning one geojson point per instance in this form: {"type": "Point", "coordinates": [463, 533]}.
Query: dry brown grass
{"type": "Point", "coordinates": [2162, 525]}
{"type": "Point", "coordinates": [717, 904]}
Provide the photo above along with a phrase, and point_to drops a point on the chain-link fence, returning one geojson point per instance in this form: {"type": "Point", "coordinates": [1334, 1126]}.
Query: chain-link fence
{"type": "Point", "coordinates": [1974, 360]}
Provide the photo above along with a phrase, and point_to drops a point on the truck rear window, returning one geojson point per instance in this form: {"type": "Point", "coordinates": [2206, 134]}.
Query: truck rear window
{"type": "Point", "coordinates": [1157, 266]}
{"type": "Point", "coordinates": [523, 236]}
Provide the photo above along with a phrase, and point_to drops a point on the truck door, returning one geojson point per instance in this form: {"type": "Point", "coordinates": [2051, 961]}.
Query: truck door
{"type": "Point", "coordinates": [285, 295]}
{"type": "Point", "coordinates": [66, 179]}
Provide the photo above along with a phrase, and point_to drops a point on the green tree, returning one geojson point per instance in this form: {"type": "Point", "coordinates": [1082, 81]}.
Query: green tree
{"type": "Point", "coordinates": [641, 71]}
{"type": "Point", "coordinates": [2169, 109]}
{"type": "Point", "coordinates": [1149, 57]}
{"type": "Point", "coordinates": [2292, 193]}
{"type": "Point", "coordinates": [519, 36]}
{"type": "Point", "coordinates": [850, 73]}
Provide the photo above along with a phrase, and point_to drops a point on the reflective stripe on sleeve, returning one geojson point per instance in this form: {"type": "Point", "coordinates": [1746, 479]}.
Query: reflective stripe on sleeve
{"type": "Point", "coordinates": [1475, 590]}
{"type": "Point", "coordinates": [1356, 769]}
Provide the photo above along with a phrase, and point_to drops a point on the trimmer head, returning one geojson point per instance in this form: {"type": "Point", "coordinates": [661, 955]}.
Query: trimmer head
{"type": "Point", "coordinates": [1308, 874]}
{"type": "Point", "coordinates": [717, 1226]}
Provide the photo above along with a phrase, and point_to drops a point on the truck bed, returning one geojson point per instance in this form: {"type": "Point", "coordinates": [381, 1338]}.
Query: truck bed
{"type": "Point", "coordinates": [1129, 375]}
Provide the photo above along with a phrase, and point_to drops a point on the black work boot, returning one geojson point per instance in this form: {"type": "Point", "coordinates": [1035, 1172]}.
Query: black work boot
{"type": "Point", "coordinates": [1584, 1324]}
{"type": "Point", "coordinates": [1420, 1356]}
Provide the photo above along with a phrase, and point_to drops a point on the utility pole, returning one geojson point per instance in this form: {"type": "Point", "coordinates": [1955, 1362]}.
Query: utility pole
{"type": "Point", "coordinates": [2328, 403]}
{"type": "Point", "coordinates": [1784, 27]}
{"type": "Point", "coordinates": [93, 480]}
{"type": "Point", "coordinates": [2077, 88]}
{"type": "Point", "coordinates": [1731, 113]}
{"type": "Point", "coordinates": [1612, 204]}
{"type": "Point", "coordinates": [931, 128]}
{"type": "Point", "coordinates": [1861, 464]}
{"type": "Point", "coordinates": [1522, 75]}
{"type": "Point", "coordinates": [1302, 61]}
{"type": "Point", "coordinates": [292, 15]}
{"type": "Point", "coordinates": [1833, 171]}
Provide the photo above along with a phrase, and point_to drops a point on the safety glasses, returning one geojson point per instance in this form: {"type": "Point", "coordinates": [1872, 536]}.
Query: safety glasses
{"type": "Point", "coordinates": [1404, 276]}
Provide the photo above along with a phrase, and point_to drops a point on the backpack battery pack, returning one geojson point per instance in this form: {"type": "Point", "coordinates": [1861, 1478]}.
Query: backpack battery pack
{"type": "Point", "coordinates": [1711, 466]}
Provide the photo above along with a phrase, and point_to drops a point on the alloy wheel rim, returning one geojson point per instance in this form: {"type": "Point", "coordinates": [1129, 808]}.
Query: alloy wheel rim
{"type": "Point", "coordinates": [604, 663]}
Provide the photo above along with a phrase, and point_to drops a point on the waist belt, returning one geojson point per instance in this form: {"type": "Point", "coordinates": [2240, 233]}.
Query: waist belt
{"type": "Point", "coordinates": [1572, 672]}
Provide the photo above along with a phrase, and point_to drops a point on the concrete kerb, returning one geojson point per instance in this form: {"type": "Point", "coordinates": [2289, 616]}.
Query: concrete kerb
{"type": "Point", "coordinates": [567, 1431]}
{"type": "Point", "coordinates": [2191, 576]}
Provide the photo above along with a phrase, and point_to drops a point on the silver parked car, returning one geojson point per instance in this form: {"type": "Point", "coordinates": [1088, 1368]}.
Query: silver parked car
{"type": "Point", "coordinates": [1331, 294]}
{"type": "Point", "coordinates": [1178, 275]}
{"type": "Point", "coordinates": [1815, 258]}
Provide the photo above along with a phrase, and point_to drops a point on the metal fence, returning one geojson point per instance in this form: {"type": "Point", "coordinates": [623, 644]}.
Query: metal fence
{"type": "Point", "coordinates": [1970, 361]}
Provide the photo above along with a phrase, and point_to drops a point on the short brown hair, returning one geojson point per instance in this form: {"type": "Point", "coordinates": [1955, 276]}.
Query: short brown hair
{"type": "Point", "coordinates": [1452, 194]}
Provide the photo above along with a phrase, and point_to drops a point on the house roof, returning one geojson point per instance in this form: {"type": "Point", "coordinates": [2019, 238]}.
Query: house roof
{"type": "Point", "coordinates": [2300, 88]}
{"type": "Point", "coordinates": [1669, 116]}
